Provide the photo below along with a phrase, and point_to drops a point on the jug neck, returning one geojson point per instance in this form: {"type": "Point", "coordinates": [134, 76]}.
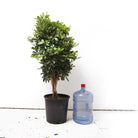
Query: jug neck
{"type": "Point", "coordinates": [83, 89]}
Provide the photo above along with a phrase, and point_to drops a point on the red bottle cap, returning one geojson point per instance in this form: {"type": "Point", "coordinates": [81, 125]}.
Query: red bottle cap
{"type": "Point", "coordinates": [83, 85]}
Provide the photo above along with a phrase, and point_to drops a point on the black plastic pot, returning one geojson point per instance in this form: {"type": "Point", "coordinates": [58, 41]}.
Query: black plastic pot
{"type": "Point", "coordinates": [56, 108]}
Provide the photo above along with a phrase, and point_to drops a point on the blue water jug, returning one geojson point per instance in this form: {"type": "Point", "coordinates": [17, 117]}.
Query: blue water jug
{"type": "Point", "coordinates": [82, 106]}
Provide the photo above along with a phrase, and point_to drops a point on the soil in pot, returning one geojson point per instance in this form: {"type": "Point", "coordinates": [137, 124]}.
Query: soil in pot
{"type": "Point", "coordinates": [56, 108]}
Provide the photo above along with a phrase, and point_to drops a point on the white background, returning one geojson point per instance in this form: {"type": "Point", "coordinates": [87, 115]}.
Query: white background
{"type": "Point", "coordinates": [107, 33]}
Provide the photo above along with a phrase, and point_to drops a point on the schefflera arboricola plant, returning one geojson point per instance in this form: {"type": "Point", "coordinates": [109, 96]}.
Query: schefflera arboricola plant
{"type": "Point", "coordinates": [53, 47]}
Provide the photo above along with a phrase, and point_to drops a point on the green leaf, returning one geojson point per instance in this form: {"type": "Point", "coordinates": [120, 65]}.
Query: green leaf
{"type": "Point", "coordinates": [37, 56]}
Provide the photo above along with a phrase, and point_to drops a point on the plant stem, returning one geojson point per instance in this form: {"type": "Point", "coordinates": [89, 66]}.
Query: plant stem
{"type": "Point", "coordinates": [54, 86]}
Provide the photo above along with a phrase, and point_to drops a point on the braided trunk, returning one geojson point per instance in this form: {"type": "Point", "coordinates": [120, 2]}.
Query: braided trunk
{"type": "Point", "coordinates": [54, 81]}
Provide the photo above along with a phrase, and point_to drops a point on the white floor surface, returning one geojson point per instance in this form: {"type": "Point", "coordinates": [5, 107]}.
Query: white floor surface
{"type": "Point", "coordinates": [32, 124]}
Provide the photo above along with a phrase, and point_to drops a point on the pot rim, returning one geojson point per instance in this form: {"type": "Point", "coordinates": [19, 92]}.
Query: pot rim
{"type": "Point", "coordinates": [63, 95]}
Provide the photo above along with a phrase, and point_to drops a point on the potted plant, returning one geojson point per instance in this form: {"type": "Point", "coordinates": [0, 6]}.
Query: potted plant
{"type": "Point", "coordinates": [53, 47]}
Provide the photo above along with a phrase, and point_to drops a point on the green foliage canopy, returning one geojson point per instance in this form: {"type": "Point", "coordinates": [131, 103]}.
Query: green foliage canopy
{"type": "Point", "coordinates": [53, 47]}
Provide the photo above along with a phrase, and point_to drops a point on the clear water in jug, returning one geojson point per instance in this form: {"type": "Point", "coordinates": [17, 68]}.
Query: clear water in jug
{"type": "Point", "coordinates": [82, 106]}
